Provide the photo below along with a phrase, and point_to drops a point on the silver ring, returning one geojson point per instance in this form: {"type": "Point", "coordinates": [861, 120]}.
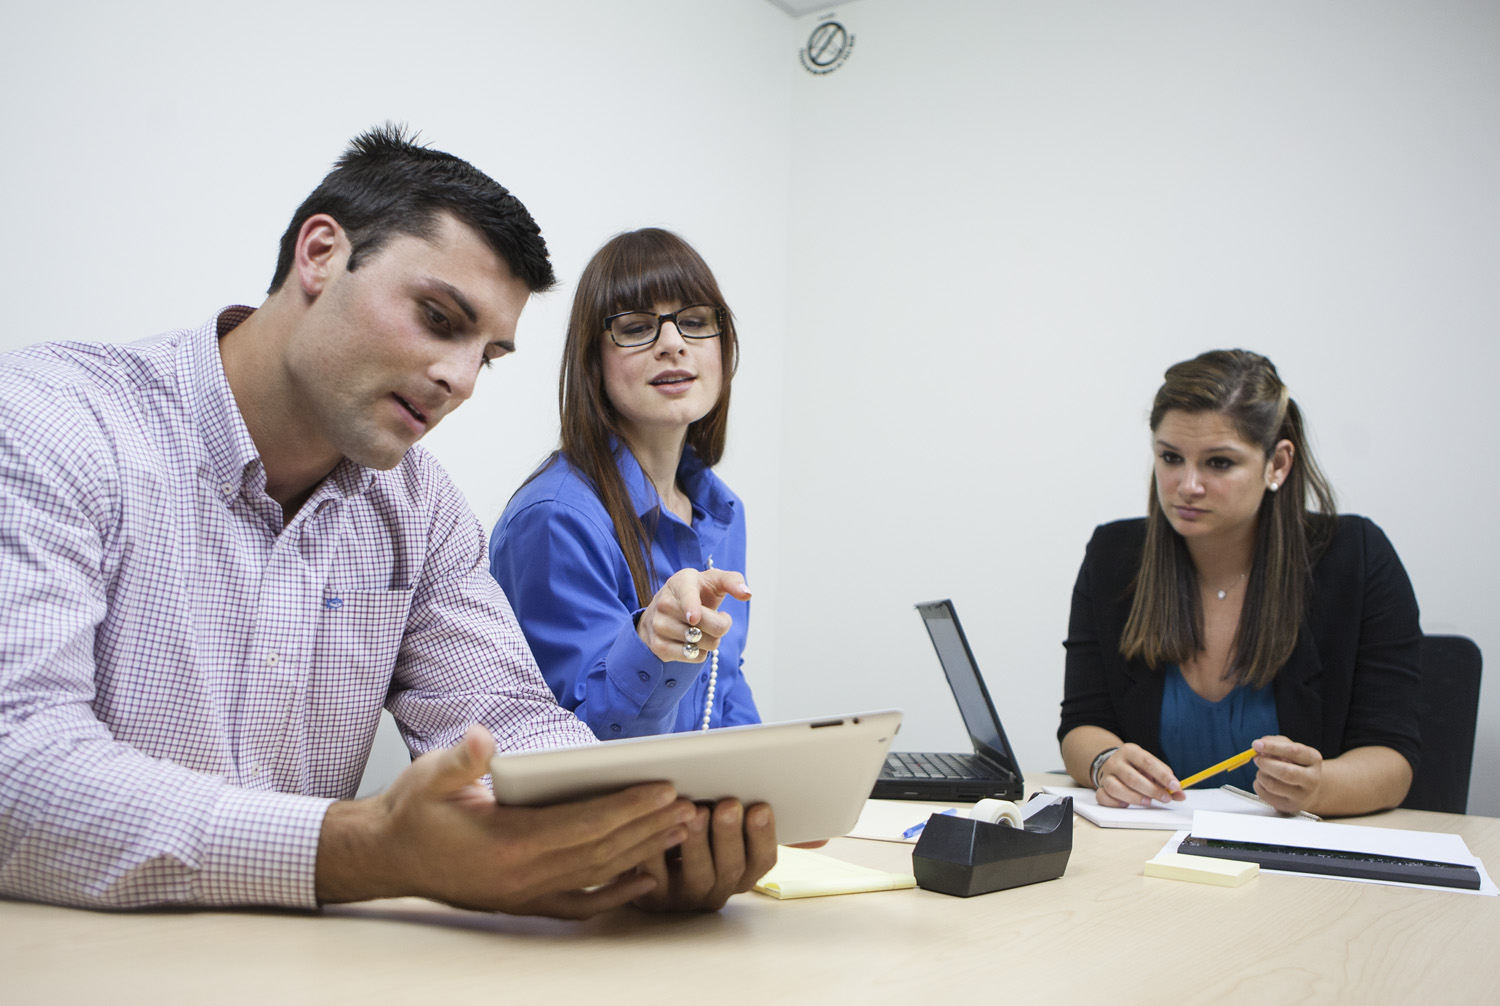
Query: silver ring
{"type": "Point", "coordinates": [694, 634]}
{"type": "Point", "coordinates": [690, 651]}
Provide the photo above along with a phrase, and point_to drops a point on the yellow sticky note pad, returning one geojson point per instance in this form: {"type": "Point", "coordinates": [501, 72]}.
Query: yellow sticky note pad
{"type": "Point", "coordinates": [1201, 869]}
{"type": "Point", "coordinates": [802, 873]}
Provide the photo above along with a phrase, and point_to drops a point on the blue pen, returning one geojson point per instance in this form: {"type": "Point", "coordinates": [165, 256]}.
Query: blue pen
{"type": "Point", "coordinates": [916, 829]}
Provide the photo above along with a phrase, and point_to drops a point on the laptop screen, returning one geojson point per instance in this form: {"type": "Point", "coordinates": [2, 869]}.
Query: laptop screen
{"type": "Point", "coordinates": [968, 687]}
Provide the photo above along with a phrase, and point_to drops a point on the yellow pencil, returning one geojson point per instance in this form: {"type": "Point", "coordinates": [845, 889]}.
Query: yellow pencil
{"type": "Point", "coordinates": [1227, 765]}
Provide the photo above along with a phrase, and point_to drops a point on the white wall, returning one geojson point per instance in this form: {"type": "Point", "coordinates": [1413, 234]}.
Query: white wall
{"type": "Point", "coordinates": [155, 151]}
{"type": "Point", "coordinates": [1009, 218]}
{"type": "Point", "coordinates": [960, 262]}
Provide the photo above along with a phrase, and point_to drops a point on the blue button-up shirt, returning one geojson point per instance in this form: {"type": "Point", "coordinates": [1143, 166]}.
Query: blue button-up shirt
{"type": "Point", "coordinates": [1197, 733]}
{"type": "Point", "coordinates": [555, 553]}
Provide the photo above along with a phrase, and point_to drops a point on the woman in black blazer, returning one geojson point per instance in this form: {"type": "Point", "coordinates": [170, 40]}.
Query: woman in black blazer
{"type": "Point", "coordinates": [1234, 616]}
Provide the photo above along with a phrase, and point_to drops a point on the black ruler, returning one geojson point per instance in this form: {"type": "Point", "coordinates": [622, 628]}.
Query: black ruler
{"type": "Point", "coordinates": [1329, 862]}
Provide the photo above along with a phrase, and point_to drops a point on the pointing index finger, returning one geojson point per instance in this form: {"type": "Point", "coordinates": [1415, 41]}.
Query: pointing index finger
{"type": "Point", "coordinates": [719, 583]}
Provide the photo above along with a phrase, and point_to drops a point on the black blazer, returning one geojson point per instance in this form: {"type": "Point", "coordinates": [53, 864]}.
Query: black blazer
{"type": "Point", "coordinates": [1351, 681]}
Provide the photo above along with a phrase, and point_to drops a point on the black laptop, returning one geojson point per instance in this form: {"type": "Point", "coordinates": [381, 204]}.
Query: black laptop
{"type": "Point", "coordinates": [990, 770]}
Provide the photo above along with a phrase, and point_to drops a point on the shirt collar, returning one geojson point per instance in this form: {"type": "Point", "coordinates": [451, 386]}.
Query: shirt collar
{"type": "Point", "coordinates": [704, 489]}
{"type": "Point", "coordinates": [234, 462]}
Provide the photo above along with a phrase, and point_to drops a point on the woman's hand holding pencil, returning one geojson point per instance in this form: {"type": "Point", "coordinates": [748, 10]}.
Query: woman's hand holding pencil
{"type": "Point", "coordinates": [1133, 775]}
{"type": "Point", "coordinates": [1289, 778]}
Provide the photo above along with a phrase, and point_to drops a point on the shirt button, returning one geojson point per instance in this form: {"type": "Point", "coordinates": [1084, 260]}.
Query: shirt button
{"type": "Point", "coordinates": [272, 659]}
{"type": "Point", "coordinates": [228, 489]}
{"type": "Point", "coordinates": [614, 728]}
{"type": "Point", "coordinates": [671, 682]}
{"type": "Point", "coordinates": [254, 770]}
{"type": "Point", "coordinates": [645, 676]}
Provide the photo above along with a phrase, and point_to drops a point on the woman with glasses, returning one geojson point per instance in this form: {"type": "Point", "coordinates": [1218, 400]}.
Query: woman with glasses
{"type": "Point", "coordinates": [1243, 613]}
{"type": "Point", "coordinates": [623, 554]}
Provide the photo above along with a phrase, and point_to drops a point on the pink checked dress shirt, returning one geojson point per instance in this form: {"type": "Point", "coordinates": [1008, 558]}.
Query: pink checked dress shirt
{"type": "Point", "coordinates": [185, 684]}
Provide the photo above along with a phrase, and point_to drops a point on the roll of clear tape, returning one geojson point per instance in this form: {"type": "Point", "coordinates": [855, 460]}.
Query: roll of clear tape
{"type": "Point", "coordinates": [997, 812]}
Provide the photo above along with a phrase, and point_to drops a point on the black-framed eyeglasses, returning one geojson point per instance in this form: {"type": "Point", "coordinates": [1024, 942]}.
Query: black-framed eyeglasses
{"type": "Point", "coordinates": [630, 329]}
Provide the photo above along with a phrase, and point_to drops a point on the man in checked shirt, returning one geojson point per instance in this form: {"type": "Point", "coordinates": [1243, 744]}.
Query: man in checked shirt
{"type": "Point", "coordinates": [221, 553]}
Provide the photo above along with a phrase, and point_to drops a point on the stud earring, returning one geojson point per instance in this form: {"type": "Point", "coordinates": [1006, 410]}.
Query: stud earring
{"type": "Point", "coordinates": [1275, 486]}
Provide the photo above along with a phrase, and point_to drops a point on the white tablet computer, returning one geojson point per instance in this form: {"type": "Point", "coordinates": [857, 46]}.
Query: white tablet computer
{"type": "Point", "coordinates": [816, 774]}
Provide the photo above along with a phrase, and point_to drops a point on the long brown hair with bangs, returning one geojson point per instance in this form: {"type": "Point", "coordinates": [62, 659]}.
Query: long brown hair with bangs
{"type": "Point", "coordinates": [636, 270]}
{"type": "Point", "coordinates": [1166, 614]}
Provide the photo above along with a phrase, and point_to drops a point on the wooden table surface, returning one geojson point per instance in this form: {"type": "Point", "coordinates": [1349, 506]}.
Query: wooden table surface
{"type": "Point", "coordinates": [1102, 929]}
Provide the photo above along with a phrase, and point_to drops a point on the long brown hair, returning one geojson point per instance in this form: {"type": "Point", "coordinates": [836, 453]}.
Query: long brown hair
{"type": "Point", "coordinates": [1166, 614]}
{"type": "Point", "coordinates": [636, 270]}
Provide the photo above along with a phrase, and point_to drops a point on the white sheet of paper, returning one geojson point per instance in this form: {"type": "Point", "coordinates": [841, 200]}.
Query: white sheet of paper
{"type": "Point", "coordinates": [1160, 816]}
{"type": "Point", "coordinates": [1451, 853]}
{"type": "Point", "coordinates": [1436, 846]}
{"type": "Point", "coordinates": [885, 820]}
{"type": "Point", "coordinates": [1039, 801]}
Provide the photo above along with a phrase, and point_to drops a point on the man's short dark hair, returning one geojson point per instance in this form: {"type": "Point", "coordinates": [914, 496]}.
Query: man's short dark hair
{"type": "Point", "coordinates": [386, 184]}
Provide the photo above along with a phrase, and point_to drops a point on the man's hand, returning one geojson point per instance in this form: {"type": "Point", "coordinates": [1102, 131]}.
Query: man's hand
{"type": "Point", "coordinates": [683, 622]}
{"type": "Point", "coordinates": [726, 852]}
{"type": "Point", "coordinates": [437, 833]}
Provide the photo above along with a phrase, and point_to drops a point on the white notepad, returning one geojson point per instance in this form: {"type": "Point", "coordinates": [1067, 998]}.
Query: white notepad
{"type": "Point", "coordinates": [1174, 816]}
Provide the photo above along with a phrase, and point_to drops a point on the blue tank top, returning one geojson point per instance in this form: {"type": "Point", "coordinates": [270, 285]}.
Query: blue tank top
{"type": "Point", "coordinates": [1197, 733]}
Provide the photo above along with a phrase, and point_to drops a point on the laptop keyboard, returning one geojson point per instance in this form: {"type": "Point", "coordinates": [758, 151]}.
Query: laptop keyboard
{"type": "Point", "coordinates": [914, 765]}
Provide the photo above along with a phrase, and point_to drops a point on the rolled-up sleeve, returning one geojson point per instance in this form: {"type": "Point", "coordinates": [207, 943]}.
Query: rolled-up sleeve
{"type": "Point", "coordinates": [1086, 699]}
{"type": "Point", "coordinates": [1386, 690]}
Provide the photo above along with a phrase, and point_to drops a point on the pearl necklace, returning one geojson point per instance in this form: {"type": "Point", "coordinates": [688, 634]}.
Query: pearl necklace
{"type": "Point", "coordinates": [1221, 594]}
{"type": "Point", "coordinates": [713, 676]}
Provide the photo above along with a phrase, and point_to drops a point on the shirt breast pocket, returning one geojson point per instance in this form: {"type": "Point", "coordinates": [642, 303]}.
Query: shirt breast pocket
{"type": "Point", "coordinates": [360, 633]}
